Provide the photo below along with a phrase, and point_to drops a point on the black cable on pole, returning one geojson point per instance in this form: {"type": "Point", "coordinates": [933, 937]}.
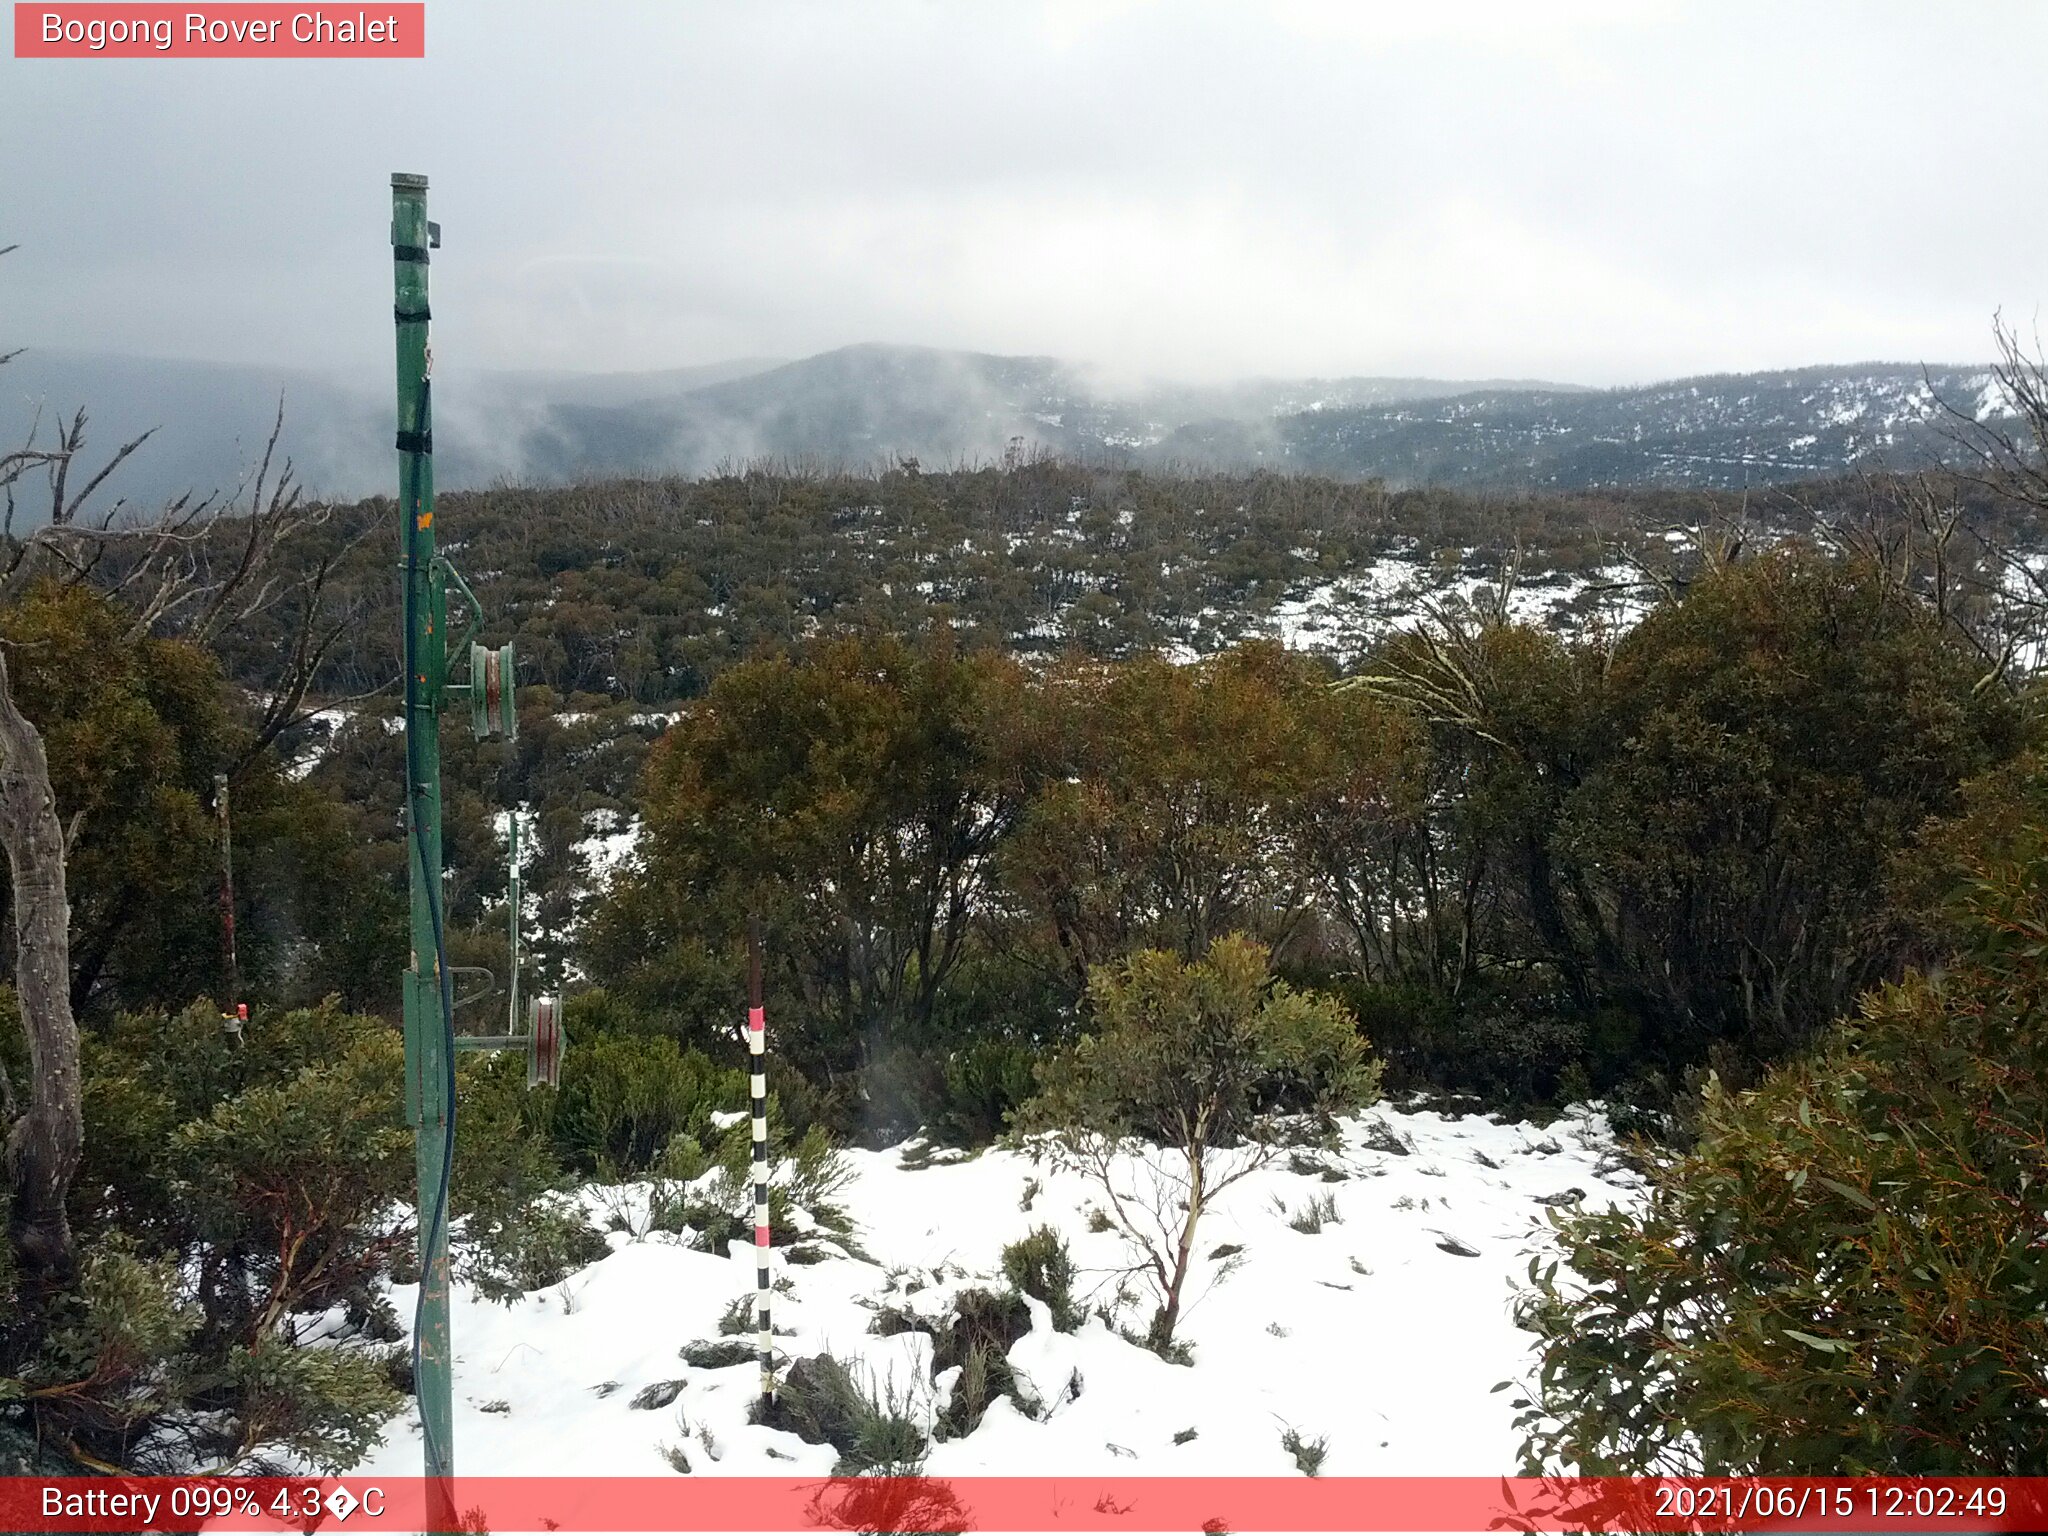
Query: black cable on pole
{"type": "Point", "coordinates": [430, 1229]}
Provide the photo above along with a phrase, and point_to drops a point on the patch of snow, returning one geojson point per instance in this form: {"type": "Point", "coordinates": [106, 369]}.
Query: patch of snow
{"type": "Point", "coordinates": [612, 844]}
{"type": "Point", "coordinates": [1410, 1289]}
{"type": "Point", "coordinates": [1994, 400]}
{"type": "Point", "coordinates": [327, 724]}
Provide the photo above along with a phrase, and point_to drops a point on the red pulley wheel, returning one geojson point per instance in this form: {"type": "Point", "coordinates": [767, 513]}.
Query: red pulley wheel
{"type": "Point", "coordinates": [544, 1042]}
{"type": "Point", "coordinates": [494, 686]}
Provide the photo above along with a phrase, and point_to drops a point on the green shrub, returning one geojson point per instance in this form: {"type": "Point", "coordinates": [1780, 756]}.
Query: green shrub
{"type": "Point", "coordinates": [809, 1172]}
{"type": "Point", "coordinates": [983, 1085]}
{"type": "Point", "coordinates": [870, 1427]}
{"type": "Point", "coordinates": [624, 1097]}
{"type": "Point", "coordinates": [1512, 1051]}
{"type": "Point", "coordinates": [514, 1237]}
{"type": "Point", "coordinates": [1207, 1059]}
{"type": "Point", "coordinates": [226, 1191]}
{"type": "Point", "coordinates": [541, 1245]}
{"type": "Point", "coordinates": [1320, 1212]}
{"type": "Point", "coordinates": [1845, 1275]}
{"type": "Point", "coordinates": [976, 1336]}
{"type": "Point", "coordinates": [1040, 1266]}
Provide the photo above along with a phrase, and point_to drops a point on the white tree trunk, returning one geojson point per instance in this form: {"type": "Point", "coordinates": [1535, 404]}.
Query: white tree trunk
{"type": "Point", "coordinates": [43, 1145]}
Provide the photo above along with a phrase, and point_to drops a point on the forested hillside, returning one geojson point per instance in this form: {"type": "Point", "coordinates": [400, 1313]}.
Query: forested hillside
{"type": "Point", "coordinates": [1539, 799]}
{"type": "Point", "coordinates": [628, 600]}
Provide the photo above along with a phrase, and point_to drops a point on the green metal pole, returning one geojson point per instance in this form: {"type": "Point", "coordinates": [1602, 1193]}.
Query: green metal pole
{"type": "Point", "coordinates": [512, 1009]}
{"type": "Point", "coordinates": [428, 1046]}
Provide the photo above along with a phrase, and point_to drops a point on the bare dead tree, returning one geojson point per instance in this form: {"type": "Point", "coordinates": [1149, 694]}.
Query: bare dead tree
{"type": "Point", "coordinates": [1913, 532]}
{"type": "Point", "coordinates": [2006, 452]}
{"type": "Point", "coordinates": [1916, 531]}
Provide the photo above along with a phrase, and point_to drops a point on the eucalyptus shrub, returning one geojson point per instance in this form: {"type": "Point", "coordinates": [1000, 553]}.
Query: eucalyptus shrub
{"type": "Point", "coordinates": [240, 1206]}
{"type": "Point", "coordinates": [1847, 1274]}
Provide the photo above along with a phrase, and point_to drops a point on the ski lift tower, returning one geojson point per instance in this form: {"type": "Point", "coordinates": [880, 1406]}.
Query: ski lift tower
{"type": "Point", "coordinates": [431, 1039]}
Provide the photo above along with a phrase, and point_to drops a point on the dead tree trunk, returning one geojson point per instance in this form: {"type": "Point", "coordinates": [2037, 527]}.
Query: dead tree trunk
{"type": "Point", "coordinates": [44, 1145]}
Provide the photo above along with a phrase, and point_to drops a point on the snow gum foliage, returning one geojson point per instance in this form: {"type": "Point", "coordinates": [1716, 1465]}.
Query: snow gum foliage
{"type": "Point", "coordinates": [237, 1201]}
{"type": "Point", "coordinates": [1847, 1273]}
{"type": "Point", "coordinates": [1190, 1070]}
{"type": "Point", "coordinates": [1204, 1052]}
{"type": "Point", "coordinates": [135, 728]}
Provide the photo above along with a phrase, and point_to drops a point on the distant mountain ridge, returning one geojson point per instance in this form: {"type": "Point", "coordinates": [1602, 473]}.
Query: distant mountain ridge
{"type": "Point", "coordinates": [1724, 430]}
{"type": "Point", "coordinates": [863, 404]}
{"type": "Point", "coordinates": [874, 404]}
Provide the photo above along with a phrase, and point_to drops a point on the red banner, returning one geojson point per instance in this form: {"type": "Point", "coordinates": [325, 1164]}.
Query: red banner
{"type": "Point", "coordinates": [1085, 1503]}
{"type": "Point", "coordinates": [238, 31]}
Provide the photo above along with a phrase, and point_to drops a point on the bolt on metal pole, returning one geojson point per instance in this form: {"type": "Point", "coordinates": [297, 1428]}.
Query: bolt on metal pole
{"type": "Point", "coordinates": [429, 1047]}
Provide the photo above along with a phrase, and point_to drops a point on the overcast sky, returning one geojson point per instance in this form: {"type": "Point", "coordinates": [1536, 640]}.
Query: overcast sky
{"type": "Point", "coordinates": [1602, 193]}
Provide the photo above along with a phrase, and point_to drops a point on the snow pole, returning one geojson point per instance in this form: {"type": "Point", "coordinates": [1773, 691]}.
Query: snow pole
{"type": "Point", "coordinates": [757, 1046]}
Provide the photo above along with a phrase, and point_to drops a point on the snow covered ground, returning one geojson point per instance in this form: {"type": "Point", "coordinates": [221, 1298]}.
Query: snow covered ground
{"type": "Point", "coordinates": [1379, 1333]}
{"type": "Point", "coordinates": [1345, 616]}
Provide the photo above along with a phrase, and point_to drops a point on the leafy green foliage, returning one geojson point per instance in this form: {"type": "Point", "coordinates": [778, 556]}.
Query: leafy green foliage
{"type": "Point", "coordinates": [135, 729]}
{"type": "Point", "coordinates": [1189, 1069]}
{"type": "Point", "coordinates": [1670, 853]}
{"type": "Point", "coordinates": [1039, 1265]}
{"type": "Point", "coordinates": [1846, 1273]}
{"type": "Point", "coordinates": [231, 1194]}
{"type": "Point", "coordinates": [624, 1097]}
{"type": "Point", "coordinates": [1787, 728]}
{"type": "Point", "coordinates": [1158, 827]}
{"type": "Point", "coordinates": [227, 1192]}
{"type": "Point", "coordinates": [1203, 1053]}
{"type": "Point", "coordinates": [851, 804]}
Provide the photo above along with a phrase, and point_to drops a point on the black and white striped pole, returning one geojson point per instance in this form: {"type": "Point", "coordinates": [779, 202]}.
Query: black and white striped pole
{"type": "Point", "coordinates": [757, 1046]}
